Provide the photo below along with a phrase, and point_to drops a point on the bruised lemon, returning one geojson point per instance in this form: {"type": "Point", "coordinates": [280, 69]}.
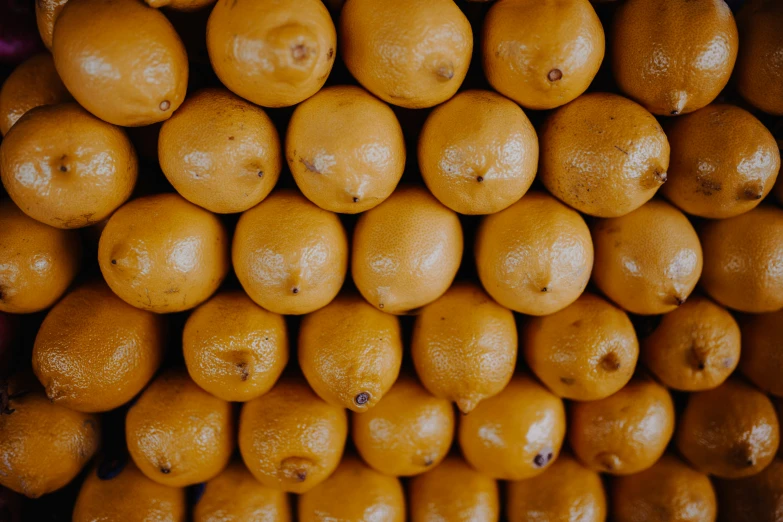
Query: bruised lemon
{"type": "Point", "coordinates": [603, 155]}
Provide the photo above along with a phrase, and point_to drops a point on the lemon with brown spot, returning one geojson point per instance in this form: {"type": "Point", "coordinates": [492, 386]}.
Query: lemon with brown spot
{"type": "Point", "coordinates": [624, 433]}
{"type": "Point", "coordinates": [516, 434]}
{"type": "Point", "coordinates": [291, 439]}
{"type": "Point", "coordinates": [723, 162]}
{"type": "Point", "coordinates": [233, 348]}
{"type": "Point", "coordinates": [603, 155]}
{"type": "Point", "coordinates": [695, 347]}
{"type": "Point", "coordinates": [586, 351]}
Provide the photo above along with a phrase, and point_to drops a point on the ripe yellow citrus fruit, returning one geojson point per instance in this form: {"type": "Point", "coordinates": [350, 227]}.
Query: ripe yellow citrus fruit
{"type": "Point", "coordinates": [358, 163]}
{"type": "Point", "coordinates": [121, 60]}
{"type": "Point", "coordinates": [273, 53]}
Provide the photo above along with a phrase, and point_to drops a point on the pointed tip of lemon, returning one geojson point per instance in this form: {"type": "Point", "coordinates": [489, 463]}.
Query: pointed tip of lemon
{"type": "Point", "coordinates": [296, 469]}
{"type": "Point", "coordinates": [466, 405]}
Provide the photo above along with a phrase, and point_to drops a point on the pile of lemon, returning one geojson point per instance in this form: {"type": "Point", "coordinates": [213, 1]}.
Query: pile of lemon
{"type": "Point", "coordinates": [405, 259]}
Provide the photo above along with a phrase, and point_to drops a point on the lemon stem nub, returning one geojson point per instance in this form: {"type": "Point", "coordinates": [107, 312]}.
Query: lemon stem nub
{"type": "Point", "coordinates": [611, 362]}
{"type": "Point", "coordinates": [542, 459]}
{"type": "Point", "coordinates": [244, 373]}
{"type": "Point", "coordinates": [609, 461]}
{"type": "Point", "coordinates": [554, 75]}
{"type": "Point", "coordinates": [362, 399]}
{"type": "Point", "coordinates": [446, 71]}
{"type": "Point", "coordinates": [299, 51]}
{"type": "Point", "coordinates": [295, 468]}
{"type": "Point", "coordinates": [165, 105]}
